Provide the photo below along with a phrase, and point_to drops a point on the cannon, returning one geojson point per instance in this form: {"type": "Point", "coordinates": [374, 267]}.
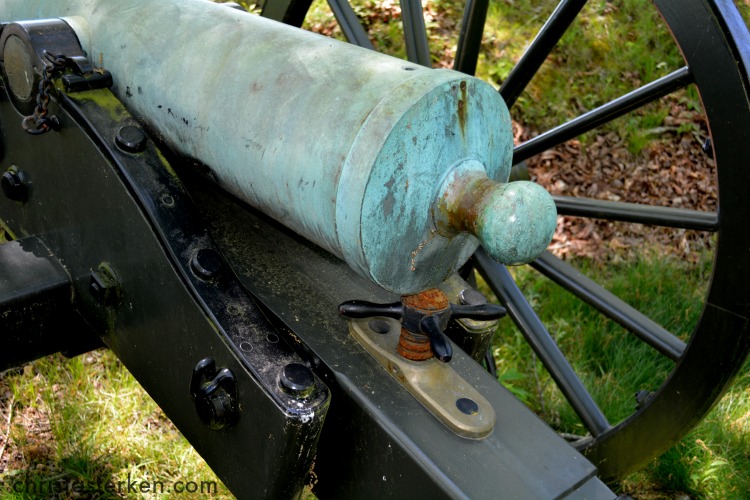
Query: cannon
{"type": "Point", "coordinates": [208, 200]}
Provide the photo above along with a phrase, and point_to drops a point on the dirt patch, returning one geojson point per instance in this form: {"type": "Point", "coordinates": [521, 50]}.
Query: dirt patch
{"type": "Point", "coordinates": [26, 438]}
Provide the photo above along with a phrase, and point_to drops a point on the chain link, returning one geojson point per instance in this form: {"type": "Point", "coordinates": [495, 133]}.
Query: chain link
{"type": "Point", "coordinates": [39, 122]}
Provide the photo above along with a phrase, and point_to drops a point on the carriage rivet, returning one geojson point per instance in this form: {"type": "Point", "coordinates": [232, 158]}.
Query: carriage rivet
{"type": "Point", "coordinates": [467, 406]}
{"type": "Point", "coordinates": [297, 380]}
{"type": "Point", "coordinates": [206, 263]}
{"type": "Point", "coordinates": [14, 185]}
{"type": "Point", "coordinates": [131, 139]}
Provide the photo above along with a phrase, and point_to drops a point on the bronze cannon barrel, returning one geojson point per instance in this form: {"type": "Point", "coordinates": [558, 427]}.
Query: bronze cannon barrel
{"type": "Point", "coordinates": [359, 152]}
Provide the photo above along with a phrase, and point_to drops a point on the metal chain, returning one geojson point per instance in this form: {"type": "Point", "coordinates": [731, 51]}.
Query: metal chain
{"type": "Point", "coordinates": [39, 123]}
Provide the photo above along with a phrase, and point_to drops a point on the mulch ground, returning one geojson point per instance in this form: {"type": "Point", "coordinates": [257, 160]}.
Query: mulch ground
{"type": "Point", "coordinates": [671, 171]}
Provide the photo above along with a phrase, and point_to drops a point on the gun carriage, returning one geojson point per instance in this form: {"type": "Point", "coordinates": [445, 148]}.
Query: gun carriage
{"type": "Point", "coordinates": [205, 191]}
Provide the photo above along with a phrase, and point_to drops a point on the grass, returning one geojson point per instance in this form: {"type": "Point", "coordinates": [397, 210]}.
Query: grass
{"type": "Point", "coordinates": [713, 461]}
{"type": "Point", "coordinates": [86, 423]}
{"type": "Point", "coordinates": [613, 364]}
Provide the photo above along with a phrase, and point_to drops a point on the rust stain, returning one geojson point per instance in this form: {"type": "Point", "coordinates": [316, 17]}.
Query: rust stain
{"type": "Point", "coordinates": [419, 249]}
{"type": "Point", "coordinates": [428, 301]}
{"type": "Point", "coordinates": [462, 109]}
{"type": "Point", "coordinates": [462, 215]}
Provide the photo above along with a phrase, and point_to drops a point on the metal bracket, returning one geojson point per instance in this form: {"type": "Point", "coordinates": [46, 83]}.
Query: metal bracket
{"type": "Point", "coordinates": [436, 385]}
{"type": "Point", "coordinates": [474, 336]}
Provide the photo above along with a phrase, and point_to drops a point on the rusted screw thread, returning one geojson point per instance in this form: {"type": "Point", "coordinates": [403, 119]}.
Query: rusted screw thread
{"type": "Point", "coordinates": [414, 346]}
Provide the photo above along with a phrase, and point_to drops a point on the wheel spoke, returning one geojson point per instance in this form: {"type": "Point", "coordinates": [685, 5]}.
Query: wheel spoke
{"type": "Point", "coordinates": [613, 109]}
{"type": "Point", "coordinates": [641, 214]}
{"type": "Point", "coordinates": [520, 76]}
{"type": "Point", "coordinates": [470, 37]}
{"type": "Point", "coordinates": [349, 24]}
{"type": "Point", "coordinates": [610, 305]}
{"type": "Point", "coordinates": [415, 34]}
{"type": "Point", "coordinates": [291, 12]}
{"type": "Point", "coordinates": [502, 284]}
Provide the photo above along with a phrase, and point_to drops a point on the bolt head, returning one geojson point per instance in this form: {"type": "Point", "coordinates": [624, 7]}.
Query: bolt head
{"type": "Point", "coordinates": [131, 139]}
{"type": "Point", "coordinates": [467, 406]}
{"type": "Point", "coordinates": [297, 380]}
{"type": "Point", "coordinates": [216, 410]}
{"type": "Point", "coordinates": [206, 263]}
{"type": "Point", "coordinates": [104, 286]}
{"type": "Point", "coordinates": [14, 186]}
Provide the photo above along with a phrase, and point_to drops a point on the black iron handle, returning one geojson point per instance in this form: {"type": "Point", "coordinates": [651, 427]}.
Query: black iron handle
{"type": "Point", "coordinates": [478, 311]}
{"type": "Point", "coordinates": [439, 343]}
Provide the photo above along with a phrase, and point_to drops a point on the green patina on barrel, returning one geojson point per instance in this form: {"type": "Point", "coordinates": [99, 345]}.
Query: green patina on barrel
{"type": "Point", "coordinates": [350, 148]}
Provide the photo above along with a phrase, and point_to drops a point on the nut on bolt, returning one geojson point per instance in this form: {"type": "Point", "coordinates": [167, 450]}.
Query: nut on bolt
{"type": "Point", "coordinates": [214, 392]}
{"type": "Point", "coordinates": [14, 185]}
{"type": "Point", "coordinates": [104, 285]}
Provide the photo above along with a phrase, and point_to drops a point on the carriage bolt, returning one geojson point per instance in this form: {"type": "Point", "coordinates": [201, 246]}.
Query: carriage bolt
{"type": "Point", "coordinates": [641, 398]}
{"type": "Point", "coordinates": [14, 185]}
{"type": "Point", "coordinates": [467, 406]}
{"type": "Point", "coordinates": [297, 380]}
{"type": "Point", "coordinates": [104, 285]}
{"type": "Point", "coordinates": [131, 139]}
{"type": "Point", "coordinates": [206, 263]}
{"type": "Point", "coordinates": [214, 393]}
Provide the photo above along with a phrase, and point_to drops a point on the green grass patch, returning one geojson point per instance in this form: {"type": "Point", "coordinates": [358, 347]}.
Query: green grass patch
{"type": "Point", "coordinates": [713, 461]}
{"type": "Point", "coordinates": [600, 347]}
{"type": "Point", "coordinates": [85, 423]}
{"type": "Point", "coordinates": [611, 49]}
{"type": "Point", "coordinates": [612, 363]}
